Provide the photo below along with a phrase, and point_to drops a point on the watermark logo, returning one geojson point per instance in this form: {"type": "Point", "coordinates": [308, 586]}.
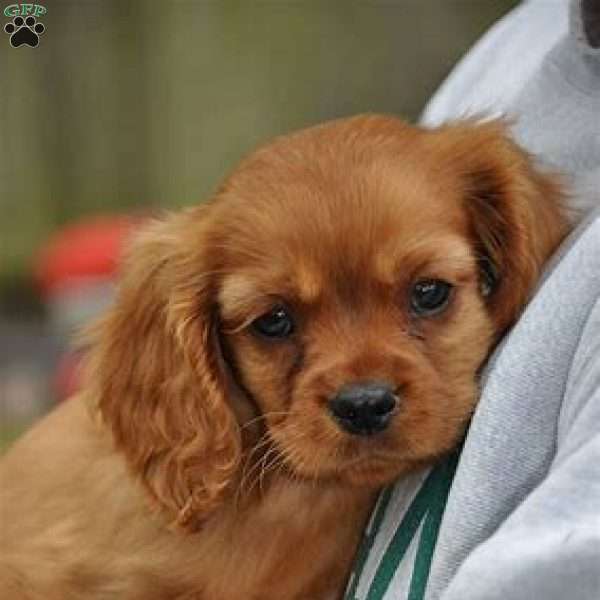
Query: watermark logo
{"type": "Point", "coordinates": [25, 28]}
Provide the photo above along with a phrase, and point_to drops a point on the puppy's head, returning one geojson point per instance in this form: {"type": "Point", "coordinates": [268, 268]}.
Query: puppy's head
{"type": "Point", "coordinates": [346, 283]}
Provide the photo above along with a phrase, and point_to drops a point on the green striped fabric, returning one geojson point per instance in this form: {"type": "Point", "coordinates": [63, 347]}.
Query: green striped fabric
{"type": "Point", "coordinates": [415, 524]}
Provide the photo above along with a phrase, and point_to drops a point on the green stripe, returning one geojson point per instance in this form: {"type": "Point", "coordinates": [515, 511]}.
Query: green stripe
{"type": "Point", "coordinates": [428, 508]}
{"type": "Point", "coordinates": [431, 528]}
{"type": "Point", "coordinates": [367, 541]}
{"type": "Point", "coordinates": [402, 538]}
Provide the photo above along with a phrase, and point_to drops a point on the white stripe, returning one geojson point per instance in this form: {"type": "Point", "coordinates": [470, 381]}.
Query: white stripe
{"type": "Point", "coordinates": [400, 584]}
{"type": "Point", "coordinates": [402, 497]}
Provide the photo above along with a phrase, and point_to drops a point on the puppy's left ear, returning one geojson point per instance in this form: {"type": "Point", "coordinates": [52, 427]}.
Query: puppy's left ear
{"type": "Point", "coordinates": [156, 374]}
{"type": "Point", "coordinates": [515, 212]}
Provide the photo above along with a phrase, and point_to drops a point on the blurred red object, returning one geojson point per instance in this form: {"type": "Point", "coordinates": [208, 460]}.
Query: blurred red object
{"type": "Point", "coordinates": [76, 270]}
{"type": "Point", "coordinates": [83, 250]}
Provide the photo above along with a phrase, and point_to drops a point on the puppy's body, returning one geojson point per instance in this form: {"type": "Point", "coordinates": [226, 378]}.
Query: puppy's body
{"type": "Point", "coordinates": [274, 358]}
{"type": "Point", "coordinates": [78, 526]}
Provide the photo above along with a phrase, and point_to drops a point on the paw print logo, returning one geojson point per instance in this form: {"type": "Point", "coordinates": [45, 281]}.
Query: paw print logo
{"type": "Point", "coordinates": [24, 31]}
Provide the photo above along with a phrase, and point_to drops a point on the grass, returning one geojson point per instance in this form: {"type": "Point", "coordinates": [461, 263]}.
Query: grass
{"type": "Point", "coordinates": [8, 434]}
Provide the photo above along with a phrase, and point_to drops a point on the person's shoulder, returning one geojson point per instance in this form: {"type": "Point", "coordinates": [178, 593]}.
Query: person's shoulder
{"type": "Point", "coordinates": [491, 75]}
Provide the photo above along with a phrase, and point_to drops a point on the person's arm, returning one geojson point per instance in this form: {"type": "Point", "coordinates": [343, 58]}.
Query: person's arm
{"type": "Point", "coordinates": [549, 548]}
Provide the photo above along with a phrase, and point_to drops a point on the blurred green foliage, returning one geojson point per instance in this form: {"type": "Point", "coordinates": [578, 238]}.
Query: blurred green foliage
{"type": "Point", "coordinates": [9, 434]}
{"type": "Point", "coordinates": [128, 105]}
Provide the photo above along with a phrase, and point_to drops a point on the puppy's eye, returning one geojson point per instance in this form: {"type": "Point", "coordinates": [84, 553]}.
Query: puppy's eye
{"type": "Point", "coordinates": [430, 296]}
{"type": "Point", "coordinates": [277, 323]}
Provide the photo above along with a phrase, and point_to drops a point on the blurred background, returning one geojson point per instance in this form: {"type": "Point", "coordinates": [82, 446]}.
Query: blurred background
{"type": "Point", "coordinates": [129, 107]}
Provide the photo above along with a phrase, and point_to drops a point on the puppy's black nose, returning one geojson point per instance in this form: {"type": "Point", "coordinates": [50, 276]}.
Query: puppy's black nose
{"type": "Point", "coordinates": [364, 408]}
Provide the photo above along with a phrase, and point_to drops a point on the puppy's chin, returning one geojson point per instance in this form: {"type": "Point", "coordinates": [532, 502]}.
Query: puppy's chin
{"type": "Point", "coordinates": [374, 472]}
{"type": "Point", "coordinates": [365, 471]}
{"type": "Point", "coordinates": [347, 461]}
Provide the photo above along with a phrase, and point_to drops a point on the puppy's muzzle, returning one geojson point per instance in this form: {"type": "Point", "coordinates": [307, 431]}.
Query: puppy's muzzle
{"type": "Point", "coordinates": [364, 408]}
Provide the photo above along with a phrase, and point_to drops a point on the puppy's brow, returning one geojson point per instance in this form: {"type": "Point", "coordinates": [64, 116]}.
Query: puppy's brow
{"type": "Point", "coordinates": [241, 293]}
{"type": "Point", "coordinates": [433, 251]}
{"type": "Point", "coordinates": [308, 283]}
{"type": "Point", "coordinates": [235, 296]}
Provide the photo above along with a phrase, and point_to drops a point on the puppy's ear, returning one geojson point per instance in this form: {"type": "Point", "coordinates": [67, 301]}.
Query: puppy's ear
{"type": "Point", "coordinates": [515, 212]}
{"type": "Point", "coordinates": [157, 375]}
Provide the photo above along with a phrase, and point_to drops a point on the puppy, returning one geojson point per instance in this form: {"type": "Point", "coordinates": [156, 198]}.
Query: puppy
{"type": "Point", "coordinates": [274, 357]}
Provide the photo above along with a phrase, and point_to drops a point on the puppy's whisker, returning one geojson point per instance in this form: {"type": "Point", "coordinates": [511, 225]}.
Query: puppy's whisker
{"type": "Point", "coordinates": [261, 467]}
{"type": "Point", "coordinates": [249, 474]}
{"type": "Point", "coordinates": [282, 465]}
{"type": "Point", "coordinates": [249, 465]}
{"type": "Point", "coordinates": [265, 416]}
{"type": "Point", "coordinates": [247, 484]}
{"type": "Point", "coordinates": [272, 466]}
{"type": "Point", "coordinates": [263, 441]}
{"type": "Point", "coordinates": [255, 471]}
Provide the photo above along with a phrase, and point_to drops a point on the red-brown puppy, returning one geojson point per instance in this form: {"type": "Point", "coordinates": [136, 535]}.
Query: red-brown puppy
{"type": "Point", "coordinates": [273, 358]}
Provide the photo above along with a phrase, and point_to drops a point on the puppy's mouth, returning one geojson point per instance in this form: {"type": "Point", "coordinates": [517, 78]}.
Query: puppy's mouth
{"type": "Point", "coordinates": [370, 469]}
{"type": "Point", "coordinates": [356, 459]}
{"type": "Point", "coordinates": [368, 436]}
{"type": "Point", "coordinates": [326, 450]}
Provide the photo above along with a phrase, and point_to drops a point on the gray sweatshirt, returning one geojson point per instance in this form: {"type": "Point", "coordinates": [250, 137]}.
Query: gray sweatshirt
{"type": "Point", "coordinates": [519, 517]}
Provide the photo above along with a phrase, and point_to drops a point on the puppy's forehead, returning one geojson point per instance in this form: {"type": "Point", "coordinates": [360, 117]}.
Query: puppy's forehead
{"type": "Point", "coordinates": [342, 203]}
{"type": "Point", "coordinates": [340, 222]}
{"type": "Point", "coordinates": [365, 173]}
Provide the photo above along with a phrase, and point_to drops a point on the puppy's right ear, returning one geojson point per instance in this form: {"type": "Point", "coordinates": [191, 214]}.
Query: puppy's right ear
{"type": "Point", "coordinates": [515, 211]}
{"type": "Point", "coordinates": [156, 373]}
